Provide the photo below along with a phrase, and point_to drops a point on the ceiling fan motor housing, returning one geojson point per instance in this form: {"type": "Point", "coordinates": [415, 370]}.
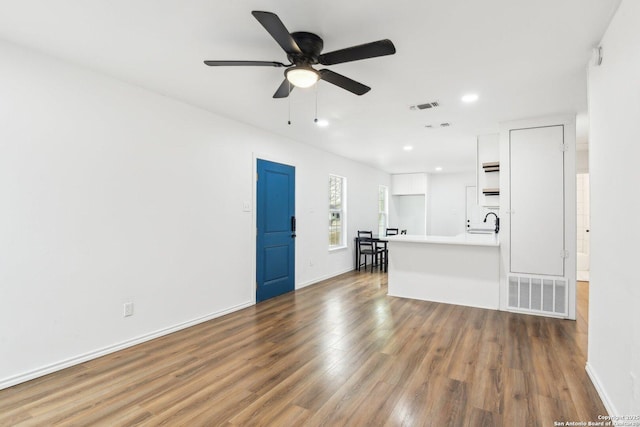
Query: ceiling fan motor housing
{"type": "Point", "coordinates": [310, 44]}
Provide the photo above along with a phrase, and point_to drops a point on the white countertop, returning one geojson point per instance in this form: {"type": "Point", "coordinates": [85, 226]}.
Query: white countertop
{"type": "Point", "coordinates": [460, 239]}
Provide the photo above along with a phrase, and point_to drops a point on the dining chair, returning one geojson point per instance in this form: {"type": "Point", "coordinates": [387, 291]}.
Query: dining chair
{"type": "Point", "coordinates": [385, 250]}
{"type": "Point", "coordinates": [367, 247]}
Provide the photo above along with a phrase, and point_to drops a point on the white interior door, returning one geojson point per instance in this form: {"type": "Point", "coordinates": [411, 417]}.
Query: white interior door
{"type": "Point", "coordinates": [537, 200]}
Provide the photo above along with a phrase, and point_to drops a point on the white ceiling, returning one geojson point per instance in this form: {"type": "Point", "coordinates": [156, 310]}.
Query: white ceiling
{"type": "Point", "coordinates": [523, 58]}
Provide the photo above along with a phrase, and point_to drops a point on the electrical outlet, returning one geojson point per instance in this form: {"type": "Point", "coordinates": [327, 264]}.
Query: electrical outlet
{"type": "Point", "coordinates": [128, 309]}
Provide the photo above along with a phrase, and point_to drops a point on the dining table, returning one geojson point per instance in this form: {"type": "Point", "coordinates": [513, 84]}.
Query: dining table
{"type": "Point", "coordinates": [379, 241]}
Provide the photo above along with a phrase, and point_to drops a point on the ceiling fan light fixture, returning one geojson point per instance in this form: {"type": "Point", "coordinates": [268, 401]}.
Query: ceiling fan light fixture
{"type": "Point", "coordinates": [302, 76]}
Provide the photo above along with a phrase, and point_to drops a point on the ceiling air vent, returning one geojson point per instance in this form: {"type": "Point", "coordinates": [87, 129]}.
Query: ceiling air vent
{"type": "Point", "coordinates": [425, 106]}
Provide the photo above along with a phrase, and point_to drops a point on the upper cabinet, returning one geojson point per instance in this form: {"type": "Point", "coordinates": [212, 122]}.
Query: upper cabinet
{"type": "Point", "coordinates": [408, 183]}
{"type": "Point", "coordinates": [488, 170]}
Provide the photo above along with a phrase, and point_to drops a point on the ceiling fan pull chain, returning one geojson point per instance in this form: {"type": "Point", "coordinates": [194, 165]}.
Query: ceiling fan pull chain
{"type": "Point", "coordinates": [315, 120]}
{"type": "Point", "coordinates": [289, 102]}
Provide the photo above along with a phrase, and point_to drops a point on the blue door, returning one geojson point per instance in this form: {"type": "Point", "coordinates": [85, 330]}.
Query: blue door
{"type": "Point", "coordinates": [275, 213]}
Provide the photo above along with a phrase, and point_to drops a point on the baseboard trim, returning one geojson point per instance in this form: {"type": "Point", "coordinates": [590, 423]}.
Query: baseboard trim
{"type": "Point", "coordinates": [48, 369]}
{"type": "Point", "coordinates": [593, 376]}
{"type": "Point", "coordinates": [67, 363]}
{"type": "Point", "coordinates": [484, 307]}
{"type": "Point", "coordinates": [322, 278]}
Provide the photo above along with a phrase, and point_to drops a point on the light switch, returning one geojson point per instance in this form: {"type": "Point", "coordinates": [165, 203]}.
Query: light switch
{"type": "Point", "coordinates": [246, 206]}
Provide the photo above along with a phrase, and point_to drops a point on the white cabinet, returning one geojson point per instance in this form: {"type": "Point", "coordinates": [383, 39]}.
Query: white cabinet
{"type": "Point", "coordinates": [401, 184]}
{"type": "Point", "coordinates": [408, 184]}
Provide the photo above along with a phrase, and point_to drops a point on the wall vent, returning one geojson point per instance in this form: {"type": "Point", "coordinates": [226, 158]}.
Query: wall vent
{"type": "Point", "coordinates": [425, 106]}
{"type": "Point", "coordinates": [542, 295]}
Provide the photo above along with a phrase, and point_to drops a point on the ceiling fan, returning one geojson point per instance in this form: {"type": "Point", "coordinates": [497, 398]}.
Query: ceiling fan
{"type": "Point", "coordinates": [303, 50]}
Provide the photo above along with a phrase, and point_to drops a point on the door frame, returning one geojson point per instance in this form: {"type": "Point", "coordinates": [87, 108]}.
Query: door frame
{"type": "Point", "coordinates": [254, 216]}
{"type": "Point", "coordinates": [570, 217]}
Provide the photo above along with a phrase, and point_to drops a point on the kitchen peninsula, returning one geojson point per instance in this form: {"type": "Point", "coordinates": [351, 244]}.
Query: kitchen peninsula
{"type": "Point", "coordinates": [462, 269]}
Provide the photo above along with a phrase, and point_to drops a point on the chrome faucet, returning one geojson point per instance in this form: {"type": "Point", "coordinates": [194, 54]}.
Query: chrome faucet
{"type": "Point", "coordinates": [497, 220]}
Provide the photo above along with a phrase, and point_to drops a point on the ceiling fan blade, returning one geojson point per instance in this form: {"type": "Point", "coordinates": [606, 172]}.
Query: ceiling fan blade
{"type": "Point", "coordinates": [344, 82]}
{"type": "Point", "coordinates": [278, 31]}
{"type": "Point", "coordinates": [244, 63]}
{"type": "Point", "coordinates": [284, 90]}
{"type": "Point", "coordinates": [355, 53]}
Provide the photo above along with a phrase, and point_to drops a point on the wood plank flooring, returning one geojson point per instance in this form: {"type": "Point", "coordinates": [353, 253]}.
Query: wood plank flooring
{"type": "Point", "coordinates": [337, 353]}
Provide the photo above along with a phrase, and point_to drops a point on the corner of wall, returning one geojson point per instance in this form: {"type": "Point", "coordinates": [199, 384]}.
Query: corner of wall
{"type": "Point", "coordinates": [595, 380]}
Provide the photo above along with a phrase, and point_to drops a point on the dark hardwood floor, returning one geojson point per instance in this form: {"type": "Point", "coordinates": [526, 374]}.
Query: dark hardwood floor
{"type": "Point", "coordinates": [337, 353]}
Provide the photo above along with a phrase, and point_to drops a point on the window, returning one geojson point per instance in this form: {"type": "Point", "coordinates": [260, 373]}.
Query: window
{"type": "Point", "coordinates": [337, 211]}
{"type": "Point", "coordinates": [383, 210]}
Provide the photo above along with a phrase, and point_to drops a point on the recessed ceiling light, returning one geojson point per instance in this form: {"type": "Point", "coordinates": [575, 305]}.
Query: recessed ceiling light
{"type": "Point", "coordinates": [438, 168]}
{"type": "Point", "coordinates": [407, 148]}
{"type": "Point", "coordinates": [322, 123]}
{"type": "Point", "coordinates": [470, 97]}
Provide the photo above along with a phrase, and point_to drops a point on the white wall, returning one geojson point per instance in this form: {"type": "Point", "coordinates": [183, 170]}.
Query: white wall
{"type": "Point", "coordinates": [110, 193]}
{"type": "Point", "coordinates": [408, 213]}
{"type": "Point", "coordinates": [446, 203]}
{"type": "Point", "coordinates": [614, 294]}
